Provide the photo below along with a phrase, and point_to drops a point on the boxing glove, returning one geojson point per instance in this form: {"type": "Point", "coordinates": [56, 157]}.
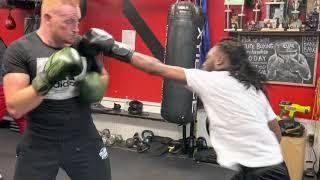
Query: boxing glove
{"type": "Point", "coordinates": [92, 88]}
{"type": "Point", "coordinates": [96, 41]}
{"type": "Point", "coordinates": [91, 44]}
{"type": "Point", "coordinates": [121, 52]}
{"type": "Point", "coordinates": [62, 64]}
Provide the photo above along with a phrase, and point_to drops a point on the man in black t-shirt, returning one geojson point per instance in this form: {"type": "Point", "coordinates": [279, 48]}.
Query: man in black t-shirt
{"type": "Point", "coordinates": [42, 79]}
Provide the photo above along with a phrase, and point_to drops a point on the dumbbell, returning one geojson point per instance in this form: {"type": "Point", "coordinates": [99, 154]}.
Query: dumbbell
{"type": "Point", "coordinates": [110, 140]}
{"type": "Point", "coordinates": [114, 139]}
{"type": "Point", "coordinates": [106, 133]}
{"type": "Point", "coordinates": [118, 139]}
{"type": "Point", "coordinates": [133, 142]}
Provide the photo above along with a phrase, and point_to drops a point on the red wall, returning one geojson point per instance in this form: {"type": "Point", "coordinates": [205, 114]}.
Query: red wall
{"type": "Point", "coordinates": [127, 81]}
{"type": "Point", "coordinates": [9, 35]}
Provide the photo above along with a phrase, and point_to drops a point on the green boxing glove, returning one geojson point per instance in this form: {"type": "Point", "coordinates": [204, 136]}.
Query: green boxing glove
{"type": "Point", "coordinates": [92, 88]}
{"type": "Point", "coordinates": [62, 64]}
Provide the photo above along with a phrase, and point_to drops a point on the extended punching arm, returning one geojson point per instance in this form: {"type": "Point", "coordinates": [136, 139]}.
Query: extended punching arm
{"type": "Point", "coordinates": [96, 41]}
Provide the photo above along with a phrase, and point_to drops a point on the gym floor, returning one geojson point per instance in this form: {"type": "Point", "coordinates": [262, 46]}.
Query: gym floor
{"type": "Point", "coordinates": [136, 166]}
{"type": "Point", "coordinates": [126, 164]}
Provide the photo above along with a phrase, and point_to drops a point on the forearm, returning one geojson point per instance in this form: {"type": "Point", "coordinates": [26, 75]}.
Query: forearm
{"type": "Point", "coordinates": [23, 101]}
{"type": "Point", "coordinates": [274, 126]}
{"type": "Point", "coordinates": [146, 63]}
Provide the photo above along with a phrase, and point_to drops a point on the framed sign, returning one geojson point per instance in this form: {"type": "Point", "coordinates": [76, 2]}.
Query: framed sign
{"type": "Point", "coordinates": [233, 2]}
{"type": "Point", "coordinates": [284, 59]}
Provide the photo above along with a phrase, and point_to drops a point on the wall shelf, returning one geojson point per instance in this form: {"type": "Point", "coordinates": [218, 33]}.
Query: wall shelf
{"type": "Point", "coordinates": [120, 112]}
{"type": "Point", "coordinates": [275, 33]}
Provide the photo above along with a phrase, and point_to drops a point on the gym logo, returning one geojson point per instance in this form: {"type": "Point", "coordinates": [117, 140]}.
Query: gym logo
{"type": "Point", "coordinates": [103, 153]}
{"type": "Point", "coordinates": [65, 83]}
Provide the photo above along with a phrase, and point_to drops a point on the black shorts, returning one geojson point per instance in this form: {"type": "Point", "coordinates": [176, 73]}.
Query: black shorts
{"type": "Point", "coordinates": [275, 172]}
{"type": "Point", "coordinates": [39, 159]}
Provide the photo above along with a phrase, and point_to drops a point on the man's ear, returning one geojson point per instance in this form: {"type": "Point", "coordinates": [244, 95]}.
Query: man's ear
{"type": "Point", "coordinates": [220, 60]}
{"type": "Point", "coordinates": [47, 17]}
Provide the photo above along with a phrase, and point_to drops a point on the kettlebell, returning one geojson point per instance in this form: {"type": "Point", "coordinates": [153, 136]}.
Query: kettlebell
{"type": "Point", "coordinates": [10, 24]}
{"type": "Point", "coordinates": [130, 142]}
{"type": "Point", "coordinates": [147, 136]}
{"type": "Point", "coordinates": [201, 143]}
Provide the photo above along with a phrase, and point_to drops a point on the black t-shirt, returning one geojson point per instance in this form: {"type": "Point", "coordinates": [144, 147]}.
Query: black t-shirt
{"type": "Point", "coordinates": [2, 50]}
{"type": "Point", "coordinates": [60, 115]}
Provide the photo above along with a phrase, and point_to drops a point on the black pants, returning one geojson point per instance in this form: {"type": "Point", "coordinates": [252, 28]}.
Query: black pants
{"type": "Point", "coordinates": [39, 159]}
{"type": "Point", "coordinates": [276, 172]}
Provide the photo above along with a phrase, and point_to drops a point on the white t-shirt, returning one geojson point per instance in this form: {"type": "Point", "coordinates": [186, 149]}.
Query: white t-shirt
{"type": "Point", "coordinates": [239, 118]}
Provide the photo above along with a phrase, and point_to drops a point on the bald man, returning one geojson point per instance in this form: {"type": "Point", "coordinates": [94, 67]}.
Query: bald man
{"type": "Point", "coordinates": [60, 131]}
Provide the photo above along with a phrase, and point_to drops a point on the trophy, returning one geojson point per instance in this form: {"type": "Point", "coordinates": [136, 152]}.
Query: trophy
{"type": "Point", "coordinates": [257, 11]}
{"type": "Point", "coordinates": [234, 22]}
{"type": "Point", "coordinates": [296, 23]}
{"type": "Point", "coordinates": [317, 9]}
{"type": "Point", "coordinates": [312, 18]}
{"type": "Point", "coordinates": [274, 16]}
{"type": "Point", "coordinates": [228, 19]}
{"type": "Point", "coordinates": [254, 25]}
{"type": "Point", "coordinates": [241, 18]}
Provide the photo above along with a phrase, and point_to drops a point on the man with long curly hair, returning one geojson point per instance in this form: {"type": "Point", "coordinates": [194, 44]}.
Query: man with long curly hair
{"type": "Point", "coordinates": [243, 127]}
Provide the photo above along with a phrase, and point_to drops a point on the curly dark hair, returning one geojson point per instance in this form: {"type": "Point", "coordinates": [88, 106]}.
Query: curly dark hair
{"type": "Point", "coordinates": [241, 69]}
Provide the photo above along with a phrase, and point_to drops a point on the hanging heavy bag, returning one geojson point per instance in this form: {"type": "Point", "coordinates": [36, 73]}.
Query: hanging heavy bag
{"type": "Point", "coordinates": [184, 20]}
{"type": "Point", "coordinates": [83, 8]}
{"type": "Point", "coordinates": [10, 24]}
{"type": "Point", "coordinates": [32, 23]}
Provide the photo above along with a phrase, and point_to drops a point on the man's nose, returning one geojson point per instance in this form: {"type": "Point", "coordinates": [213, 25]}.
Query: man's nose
{"type": "Point", "coordinates": [76, 28]}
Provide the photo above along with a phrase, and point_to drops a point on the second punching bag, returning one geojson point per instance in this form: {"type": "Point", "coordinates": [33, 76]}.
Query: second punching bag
{"type": "Point", "coordinates": [182, 49]}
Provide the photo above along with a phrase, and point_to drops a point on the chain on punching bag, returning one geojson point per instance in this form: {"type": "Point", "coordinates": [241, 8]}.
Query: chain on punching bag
{"type": "Point", "coordinates": [182, 49]}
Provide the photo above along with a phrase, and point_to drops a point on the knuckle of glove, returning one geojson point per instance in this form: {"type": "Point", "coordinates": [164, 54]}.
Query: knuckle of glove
{"type": "Point", "coordinates": [66, 62]}
{"type": "Point", "coordinates": [97, 40]}
{"type": "Point", "coordinates": [92, 88]}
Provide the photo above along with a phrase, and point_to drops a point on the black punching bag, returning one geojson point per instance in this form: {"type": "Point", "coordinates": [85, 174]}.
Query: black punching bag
{"type": "Point", "coordinates": [182, 49]}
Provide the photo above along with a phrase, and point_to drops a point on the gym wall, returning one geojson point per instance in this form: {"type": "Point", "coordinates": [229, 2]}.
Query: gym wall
{"type": "Point", "coordinates": [133, 84]}
{"type": "Point", "coordinates": [127, 82]}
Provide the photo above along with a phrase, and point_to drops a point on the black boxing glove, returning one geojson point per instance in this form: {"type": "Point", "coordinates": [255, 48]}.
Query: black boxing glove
{"type": "Point", "coordinates": [121, 52]}
{"type": "Point", "coordinates": [96, 41]}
